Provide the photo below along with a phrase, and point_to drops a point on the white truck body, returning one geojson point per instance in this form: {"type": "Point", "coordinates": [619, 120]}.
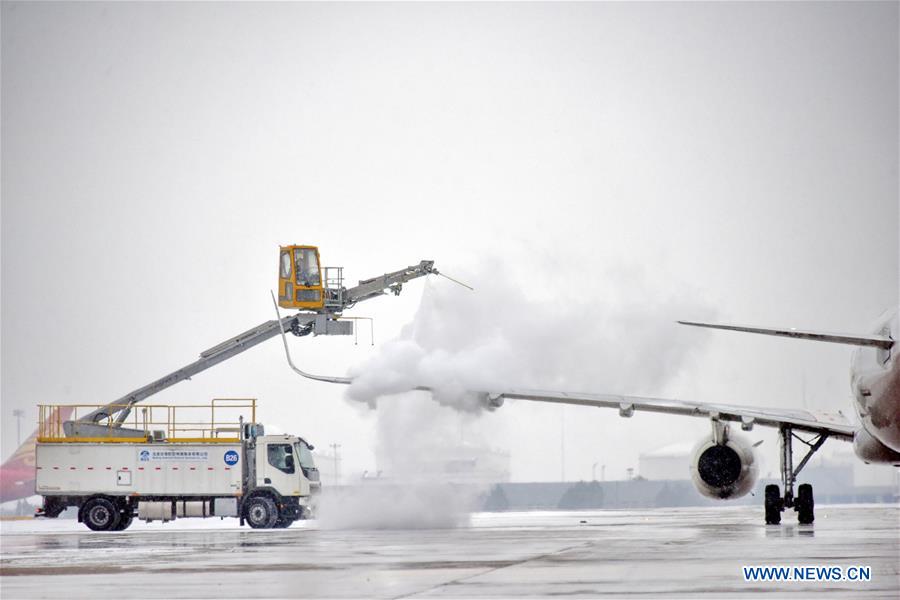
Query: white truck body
{"type": "Point", "coordinates": [144, 469]}
{"type": "Point", "coordinates": [267, 481]}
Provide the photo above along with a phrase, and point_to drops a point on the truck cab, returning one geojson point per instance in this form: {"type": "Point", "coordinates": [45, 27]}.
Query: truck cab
{"type": "Point", "coordinates": [284, 463]}
{"type": "Point", "coordinates": [282, 473]}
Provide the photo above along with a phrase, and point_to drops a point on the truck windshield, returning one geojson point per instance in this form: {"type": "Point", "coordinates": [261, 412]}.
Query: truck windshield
{"type": "Point", "coordinates": [306, 457]}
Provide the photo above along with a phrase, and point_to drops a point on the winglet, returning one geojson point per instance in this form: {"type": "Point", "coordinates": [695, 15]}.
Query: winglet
{"type": "Point", "coordinates": [879, 341]}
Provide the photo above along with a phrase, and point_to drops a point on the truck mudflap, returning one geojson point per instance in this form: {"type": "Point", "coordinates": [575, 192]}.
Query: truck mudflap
{"type": "Point", "coordinates": [52, 508]}
{"type": "Point", "coordinates": [291, 508]}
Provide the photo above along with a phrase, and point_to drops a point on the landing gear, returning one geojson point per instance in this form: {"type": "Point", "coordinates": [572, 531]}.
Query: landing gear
{"type": "Point", "coordinates": [774, 505]}
{"type": "Point", "coordinates": [803, 504]}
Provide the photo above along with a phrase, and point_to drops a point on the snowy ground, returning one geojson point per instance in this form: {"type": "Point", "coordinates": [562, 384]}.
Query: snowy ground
{"type": "Point", "coordinates": [664, 552]}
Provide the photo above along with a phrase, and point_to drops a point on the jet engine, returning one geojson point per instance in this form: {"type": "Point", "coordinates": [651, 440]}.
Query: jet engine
{"type": "Point", "coordinates": [490, 401]}
{"type": "Point", "coordinates": [724, 465]}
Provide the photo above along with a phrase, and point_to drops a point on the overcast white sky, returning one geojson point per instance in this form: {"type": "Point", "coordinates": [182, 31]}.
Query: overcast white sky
{"type": "Point", "coordinates": [154, 156]}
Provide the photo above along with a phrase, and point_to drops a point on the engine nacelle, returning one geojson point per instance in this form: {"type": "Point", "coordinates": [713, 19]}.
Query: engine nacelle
{"type": "Point", "coordinates": [491, 401]}
{"type": "Point", "coordinates": [724, 468]}
{"type": "Point", "coordinates": [871, 450]}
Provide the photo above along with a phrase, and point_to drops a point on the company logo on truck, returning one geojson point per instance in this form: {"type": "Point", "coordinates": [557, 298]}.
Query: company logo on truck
{"type": "Point", "coordinates": [169, 455]}
{"type": "Point", "coordinates": [231, 457]}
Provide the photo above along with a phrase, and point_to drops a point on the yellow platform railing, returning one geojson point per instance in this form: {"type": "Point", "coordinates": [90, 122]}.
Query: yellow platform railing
{"type": "Point", "coordinates": [177, 423]}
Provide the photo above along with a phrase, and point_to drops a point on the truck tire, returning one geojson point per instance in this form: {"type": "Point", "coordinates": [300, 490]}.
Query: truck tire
{"type": "Point", "coordinates": [283, 522]}
{"type": "Point", "coordinates": [124, 522]}
{"type": "Point", "coordinates": [100, 514]}
{"type": "Point", "coordinates": [261, 513]}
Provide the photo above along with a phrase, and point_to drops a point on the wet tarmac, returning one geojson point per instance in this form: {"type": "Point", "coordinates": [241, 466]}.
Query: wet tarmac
{"type": "Point", "coordinates": [688, 553]}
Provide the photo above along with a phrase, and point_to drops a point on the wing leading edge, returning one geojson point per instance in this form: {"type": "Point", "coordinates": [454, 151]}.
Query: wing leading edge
{"type": "Point", "coordinates": [835, 425]}
{"type": "Point", "coordinates": [879, 341]}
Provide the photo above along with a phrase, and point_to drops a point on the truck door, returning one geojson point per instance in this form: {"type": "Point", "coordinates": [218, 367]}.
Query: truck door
{"type": "Point", "coordinates": [281, 469]}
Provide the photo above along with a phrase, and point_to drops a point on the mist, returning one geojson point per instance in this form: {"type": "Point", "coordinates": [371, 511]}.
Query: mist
{"type": "Point", "coordinates": [506, 334]}
{"type": "Point", "coordinates": [414, 438]}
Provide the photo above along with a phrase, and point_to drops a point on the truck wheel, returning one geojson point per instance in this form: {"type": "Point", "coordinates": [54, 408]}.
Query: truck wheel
{"type": "Point", "coordinates": [261, 513]}
{"type": "Point", "coordinates": [283, 522]}
{"type": "Point", "coordinates": [99, 514]}
{"type": "Point", "coordinates": [124, 522]}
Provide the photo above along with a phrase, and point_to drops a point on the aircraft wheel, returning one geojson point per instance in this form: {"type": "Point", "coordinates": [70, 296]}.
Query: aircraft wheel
{"type": "Point", "coordinates": [805, 504]}
{"type": "Point", "coordinates": [773, 505]}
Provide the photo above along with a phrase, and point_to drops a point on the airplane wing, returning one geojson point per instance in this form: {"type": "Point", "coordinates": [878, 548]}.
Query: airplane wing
{"type": "Point", "coordinates": [879, 341]}
{"type": "Point", "coordinates": [835, 425]}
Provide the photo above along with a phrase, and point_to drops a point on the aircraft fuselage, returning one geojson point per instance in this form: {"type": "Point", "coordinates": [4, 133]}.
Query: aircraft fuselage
{"type": "Point", "coordinates": [875, 379]}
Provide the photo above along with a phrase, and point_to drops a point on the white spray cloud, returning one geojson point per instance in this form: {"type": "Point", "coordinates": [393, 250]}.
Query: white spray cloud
{"type": "Point", "coordinates": [623, 339]}
{"type": "Point", "coordinates": [397, 505]}
{"type": "Point", "coordinates": [416, 440]}
{"type": "Point", "coordinates": [522, 332]}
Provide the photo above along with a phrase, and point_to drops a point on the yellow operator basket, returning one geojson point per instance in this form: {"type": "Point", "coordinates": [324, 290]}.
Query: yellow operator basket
{"type": "Point", "coordinates": [300, 282]}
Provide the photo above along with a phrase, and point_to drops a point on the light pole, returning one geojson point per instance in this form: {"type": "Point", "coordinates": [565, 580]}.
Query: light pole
{"type": "Point", "coordinates": [337, 462]}
{"type": "Point", "coordinates": [18, 414]}
{"type": "Point", "coordinates": [594, 472]}
{"type": "Point", "coordinates": [562, 444]}
{"type": "Point", "coordinates": [21, 505]}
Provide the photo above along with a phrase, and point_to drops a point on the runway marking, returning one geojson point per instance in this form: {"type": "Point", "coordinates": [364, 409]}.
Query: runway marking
{"type": "Point", "coordinates": [511, 563]}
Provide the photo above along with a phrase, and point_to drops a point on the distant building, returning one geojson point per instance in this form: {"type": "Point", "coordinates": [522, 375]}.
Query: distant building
{"type": "Point", "coordinates": [462, 463]}
{"type": "Point", "coordinates": [668, 463]}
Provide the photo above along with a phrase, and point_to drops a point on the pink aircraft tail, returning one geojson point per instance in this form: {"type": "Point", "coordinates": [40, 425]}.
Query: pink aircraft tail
{"type": "Point", "coordinates": [17, 473]}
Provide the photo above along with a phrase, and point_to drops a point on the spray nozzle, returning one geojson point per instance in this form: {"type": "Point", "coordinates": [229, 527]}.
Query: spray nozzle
{"type": "Point", "coordinates": [436, 272]}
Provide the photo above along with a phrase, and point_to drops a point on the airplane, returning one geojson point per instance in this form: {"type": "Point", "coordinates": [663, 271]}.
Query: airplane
{"type": "Point", "coordinates": [17, 474]}
{"type": "Point", "coordinates": [723, 465]}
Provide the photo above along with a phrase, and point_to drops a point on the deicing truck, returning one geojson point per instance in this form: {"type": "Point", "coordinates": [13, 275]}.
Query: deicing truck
{"type": "Point", "coordinates": [266, 481]}
{"type": "Point", "coordinates": [115, 461]}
